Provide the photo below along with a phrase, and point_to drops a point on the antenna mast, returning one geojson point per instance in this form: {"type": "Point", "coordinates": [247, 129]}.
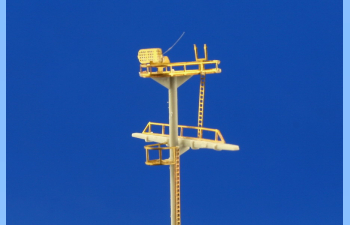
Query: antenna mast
{"type": "Point", "coordinates": [158, 67]}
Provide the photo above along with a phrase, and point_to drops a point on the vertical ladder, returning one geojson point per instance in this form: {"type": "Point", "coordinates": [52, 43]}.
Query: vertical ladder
{"type": "Point", "coordinates": [201, 104]}
{"type": "Point", "coordinates": [177, 186]}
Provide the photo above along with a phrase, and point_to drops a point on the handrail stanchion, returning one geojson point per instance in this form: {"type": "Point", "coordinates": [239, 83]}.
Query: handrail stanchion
{"type": "Point", "coordinates": [160, 155]}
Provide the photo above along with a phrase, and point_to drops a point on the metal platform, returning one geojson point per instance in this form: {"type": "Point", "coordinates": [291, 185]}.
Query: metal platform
{"type": "Point", "coordinates": [171, 69]}
{"type": "Point", "coordinates": [193, 143]}
{"type": "Point", "coordinates": [185, 142]}
{"type": "Point", "coordinates": [154, 64]}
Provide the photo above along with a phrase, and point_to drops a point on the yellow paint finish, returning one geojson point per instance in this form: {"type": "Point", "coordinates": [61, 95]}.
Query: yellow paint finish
{"type": "Point", "coordinates": [217, 134]}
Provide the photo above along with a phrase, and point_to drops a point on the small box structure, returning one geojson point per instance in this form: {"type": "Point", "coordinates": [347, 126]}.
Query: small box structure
{"type": "Point", "coordinates": [150, 55]}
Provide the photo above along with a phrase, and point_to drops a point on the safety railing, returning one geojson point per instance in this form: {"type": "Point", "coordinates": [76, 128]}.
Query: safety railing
{"type": "Point", "coordinates": [217, 134]}
{"type": "Point", "coordinates": [170, 69]}
{"type": "Point", "coordinates": [160, 149]}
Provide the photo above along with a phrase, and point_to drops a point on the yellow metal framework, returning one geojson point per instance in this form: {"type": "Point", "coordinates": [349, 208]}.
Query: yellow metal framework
{"type": "Point", "coordinates": [160, 160]}
{"type": "Point", "coordinates": [175, 159]}
{"type": "Point", "coordinates": [177, 187]}
{"type": "Point", "coordinates": [217, 134]}
{"type": "Point", "coordinates": [151, 66]}
{"type": "Point", "coordinates": [171, 69]}
{"type": "Point", "coordinates": [201, 104]}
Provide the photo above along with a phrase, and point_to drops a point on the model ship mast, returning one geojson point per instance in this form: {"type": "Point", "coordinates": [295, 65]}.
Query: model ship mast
{"type": "Point", "coordinates": [172, 75]}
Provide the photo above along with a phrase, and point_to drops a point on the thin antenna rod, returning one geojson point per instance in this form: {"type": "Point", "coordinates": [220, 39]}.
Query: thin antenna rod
{"type": "Point", "coordinates": [174, 43]}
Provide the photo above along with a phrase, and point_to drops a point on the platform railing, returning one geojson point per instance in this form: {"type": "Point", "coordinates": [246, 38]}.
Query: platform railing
{"type": "Point", "coordinates": [217, 134]}
{"type": "Point", "coordinates": [160, 149]}
{"type": "Point", "coordinates": [168, 69]}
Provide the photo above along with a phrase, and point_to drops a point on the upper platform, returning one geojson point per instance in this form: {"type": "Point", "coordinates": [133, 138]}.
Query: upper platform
{"type": "Point", "coordinates": [154, 64]}
{"type": "Point", "coordinates": [178, 69]}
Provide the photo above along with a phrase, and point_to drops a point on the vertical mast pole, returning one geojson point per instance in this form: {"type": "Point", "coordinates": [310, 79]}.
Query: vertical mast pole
{"type": "Point", "coordinates": [173, 141]}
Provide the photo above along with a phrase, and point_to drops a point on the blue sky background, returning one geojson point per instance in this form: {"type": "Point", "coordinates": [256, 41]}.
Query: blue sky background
{"type": "Point", "coordinates": [346, 111]}
{"type": "Point", "coordinates": [2, 112]}
{"type": "Point", "coordinates": [74, 97]}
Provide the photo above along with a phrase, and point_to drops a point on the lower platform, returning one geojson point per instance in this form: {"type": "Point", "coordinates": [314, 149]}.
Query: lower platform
{"type": "Point", "coordinates": [186, 142]}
